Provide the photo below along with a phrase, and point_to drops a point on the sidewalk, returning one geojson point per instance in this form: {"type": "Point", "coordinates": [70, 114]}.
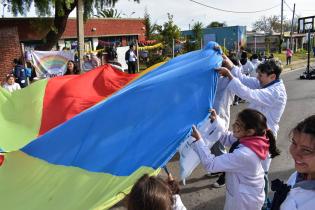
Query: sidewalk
{"type": "Point", "coordinates": [298, 64]}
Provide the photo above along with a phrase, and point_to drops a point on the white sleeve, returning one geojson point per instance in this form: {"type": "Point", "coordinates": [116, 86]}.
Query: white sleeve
{"type": "Point", "coordinates": [178, 204]}
{"type": "Point", "coordinates": [248, 81]}
{"type": "Point", "coordinates": [229, 162]}
{"type": "Point", "coordinates": [261, 96]}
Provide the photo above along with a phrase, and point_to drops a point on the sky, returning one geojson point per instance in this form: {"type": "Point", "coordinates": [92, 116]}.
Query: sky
{"type": "Point", "coordinates": [186, 12]}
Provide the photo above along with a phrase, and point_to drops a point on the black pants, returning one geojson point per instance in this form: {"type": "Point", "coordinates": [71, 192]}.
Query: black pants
{"type": "Point", "coordinates": [131, 67]}
{"type": "Point", "coordinates": [288, 60]}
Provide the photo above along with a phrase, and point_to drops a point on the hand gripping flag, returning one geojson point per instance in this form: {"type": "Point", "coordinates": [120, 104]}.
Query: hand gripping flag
{"type": "Point", "coordinates": [92, 160]}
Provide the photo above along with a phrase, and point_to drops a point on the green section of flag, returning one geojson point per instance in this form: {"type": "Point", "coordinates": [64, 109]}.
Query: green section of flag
{"type": "Point", "coordinates": [31, 183]}
{"type": "Point", "coordinates": [20, 115]}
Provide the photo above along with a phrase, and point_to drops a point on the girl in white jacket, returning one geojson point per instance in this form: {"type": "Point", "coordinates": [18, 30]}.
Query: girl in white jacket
{"type": "Point", "coordinates": [301, 196]}
{"type": "Point", "coordinates": [250, 143]}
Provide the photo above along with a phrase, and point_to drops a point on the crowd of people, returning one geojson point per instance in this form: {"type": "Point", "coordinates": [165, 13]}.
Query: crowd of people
{"type": "Point", "coordinates": [22, 75]}
{"type": "Point", "coordinates": [251, 142]}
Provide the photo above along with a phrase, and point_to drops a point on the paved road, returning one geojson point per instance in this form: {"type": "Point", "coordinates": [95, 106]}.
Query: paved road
{"type": "Point", "coordinates": [198, 195]}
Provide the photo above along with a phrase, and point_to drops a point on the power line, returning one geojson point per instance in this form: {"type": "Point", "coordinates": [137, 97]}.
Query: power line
{"type": "Point", "coordinates": [233, 11]}
{"type": "Point", "coordinates": [298, 16]}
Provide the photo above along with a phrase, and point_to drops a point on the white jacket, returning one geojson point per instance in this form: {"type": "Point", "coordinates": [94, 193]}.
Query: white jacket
{"type": "Point", "coordinates": [244, 173]}
{"type": "Point", "coordinates": [178, 204]}
{"type": "Point", "coordinates": [270, 101]}
{"type": "Point", "coordinates": [248, 68]}
{"type": "Point", "coordinates": [298, 198]}
{"type": "Point", "coordinates": [223, 100]}
{"type": "Point", "coordinates": [255, 63]}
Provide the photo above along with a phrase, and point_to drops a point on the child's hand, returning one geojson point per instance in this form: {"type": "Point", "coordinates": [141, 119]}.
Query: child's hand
{"type": "Point", "coordinates": [225, 72]}
{"type": "Point", "coordinates": [173, 184]}
{"type": "Point", "coordinates": [170, 177]}
{"type": "Point", "coordinates": [195, 133]}
{"type": "Point", "coordinates": [213, 115]}
{"type": "Point", "coordinates": [218, 48]}
{"type": "Point", "coordinates": [227, 62]}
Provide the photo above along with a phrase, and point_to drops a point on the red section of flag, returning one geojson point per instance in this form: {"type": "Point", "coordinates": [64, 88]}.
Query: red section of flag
{"type": "Point", "coordinates": [67, 96]}
{"type": "Point", "coordinates": [1, 159]}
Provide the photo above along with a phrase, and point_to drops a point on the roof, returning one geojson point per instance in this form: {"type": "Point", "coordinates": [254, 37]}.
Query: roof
{"type": "Point", "coordinates": [37, 28]}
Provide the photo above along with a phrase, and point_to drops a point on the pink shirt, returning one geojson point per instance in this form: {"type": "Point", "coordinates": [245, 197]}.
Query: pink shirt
{"type": "Point", "coordinates": [289, 53]}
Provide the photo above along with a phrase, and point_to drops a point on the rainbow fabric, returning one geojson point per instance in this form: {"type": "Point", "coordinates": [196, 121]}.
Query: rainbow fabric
{"type": "Point", "coordinates": [51, 63]}
{"type": "Point", "coordinates": [92, 160]}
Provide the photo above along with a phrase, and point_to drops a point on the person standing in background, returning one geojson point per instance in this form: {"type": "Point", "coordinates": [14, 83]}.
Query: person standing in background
{"type": "Point", "coordinates": [289, 54]}
{"type": "Point", "coordinates": [131, 59]}
{"type": "Point", "coordinates": [20, 73]}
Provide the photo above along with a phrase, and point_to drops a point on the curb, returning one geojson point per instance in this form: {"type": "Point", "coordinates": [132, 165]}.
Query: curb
{"type": "Point", "coordinates": [298, 66]}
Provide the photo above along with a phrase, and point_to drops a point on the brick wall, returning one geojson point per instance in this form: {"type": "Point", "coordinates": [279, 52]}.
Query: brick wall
{"type": "Point", "coordinates": [9, 49]}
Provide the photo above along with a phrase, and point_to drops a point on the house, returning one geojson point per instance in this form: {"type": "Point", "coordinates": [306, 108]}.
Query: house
{"type": "Point", "coordinates": [269, 42]}
{"type": "Point", "coordinates": [230, 37]}
{"type": "Point", "coordinates": [109, 30]}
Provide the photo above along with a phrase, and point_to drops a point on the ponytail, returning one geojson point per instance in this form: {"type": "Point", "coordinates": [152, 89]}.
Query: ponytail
{"type": "Point", "coordinates": [273, 150]}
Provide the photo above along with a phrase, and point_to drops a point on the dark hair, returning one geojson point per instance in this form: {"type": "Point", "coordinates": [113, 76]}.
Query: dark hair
{"type": "Point", "coordinates": [8, 76]}
{"type": "Point", "coordinates": [174, 186]}
{"type": "Point", "coordinates": [75, 68]}
{"type": "Point", "coordinates": [17, 61]}
{"type": "Point", "coordinates": [150, 193]}
{"type": "Point", "coordinates": [270, 67]}
{"type": "Point", "coordinates": [306, 126]}
{"type": "Point", "coordinates": [253, 119]}
{"type": "Point", "coordinates": [244, 54]}
{"type": "Point", "coordinates": [255, 56]}
{"type": "Point", "coordinates": [234, 60]}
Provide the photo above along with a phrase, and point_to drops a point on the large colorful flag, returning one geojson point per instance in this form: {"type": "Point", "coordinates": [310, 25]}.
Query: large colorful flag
{"type": "Point", "coordinates": [92, 160]}
{"type": "Point", "coordinates": [33, 111]}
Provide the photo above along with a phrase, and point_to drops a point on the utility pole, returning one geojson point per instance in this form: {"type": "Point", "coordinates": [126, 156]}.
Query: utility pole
{"type": "Point", "coordinates": [173, 47]}
{"type": "Point", "coordinates": [281, 30]}
{"type": "Point", "coordinates": [80, 32]}
{"type": "Point", "coordinates": [291, 38]}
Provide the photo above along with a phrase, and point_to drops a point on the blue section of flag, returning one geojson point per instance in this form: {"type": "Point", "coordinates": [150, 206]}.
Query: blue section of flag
{"type": "Point", "coordinates": [142, 124]}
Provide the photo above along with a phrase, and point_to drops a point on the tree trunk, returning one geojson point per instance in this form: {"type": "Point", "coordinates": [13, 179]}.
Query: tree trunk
{"type": "Point", "coordinates": [58, 27]}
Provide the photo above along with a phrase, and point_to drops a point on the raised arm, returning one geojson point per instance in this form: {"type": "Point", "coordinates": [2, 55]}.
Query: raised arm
{"type": "Point", "coordinates": [250, 82]}
{"type": "Point", "coordinates": [230, 162]}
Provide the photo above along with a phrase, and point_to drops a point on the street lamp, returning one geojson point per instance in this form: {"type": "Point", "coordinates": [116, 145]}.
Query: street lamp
{"type": "Point", "coordinates": [192, 20]}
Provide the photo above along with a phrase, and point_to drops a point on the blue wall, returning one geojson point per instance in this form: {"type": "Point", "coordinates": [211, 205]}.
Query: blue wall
{"type": "Point", "coordinates": [231, 34]}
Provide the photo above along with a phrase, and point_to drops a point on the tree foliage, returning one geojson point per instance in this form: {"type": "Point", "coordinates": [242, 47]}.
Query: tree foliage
{"type": "Point", "coordinates": [271, 23]}
{"type": "Point", "coordinates": [216, 24]}
{"type": "Point", "coordinates": [168, 32]}
{"type": "Point", "coordinates": [62, 9]}
{"type": "Point", "coordinates": [197, 30]}
{"type": "Point", "coordinates": [108, 13]}
{"type": "Point", "coordinates": [149, 27]}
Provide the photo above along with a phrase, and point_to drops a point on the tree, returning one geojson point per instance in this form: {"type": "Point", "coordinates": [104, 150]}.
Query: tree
{"type": "Point", "coordinates": [216, 24]}
{"type": "Point", "coordinates": [62, 10]}
{"type": "Point", "coordinates": [149, 27]}
{"type": "Point", "coordinates": [271, 23]}
{"type": "Point", "coordinates": [198, 32]}
{"type": "Point", "coordinates": [108, 13]}
{"type": "Point", "coordinates": [168, 32]}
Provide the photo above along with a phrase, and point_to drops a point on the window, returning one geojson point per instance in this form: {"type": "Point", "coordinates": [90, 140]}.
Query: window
{"type": "Point", "coordinates": [131, 39]}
